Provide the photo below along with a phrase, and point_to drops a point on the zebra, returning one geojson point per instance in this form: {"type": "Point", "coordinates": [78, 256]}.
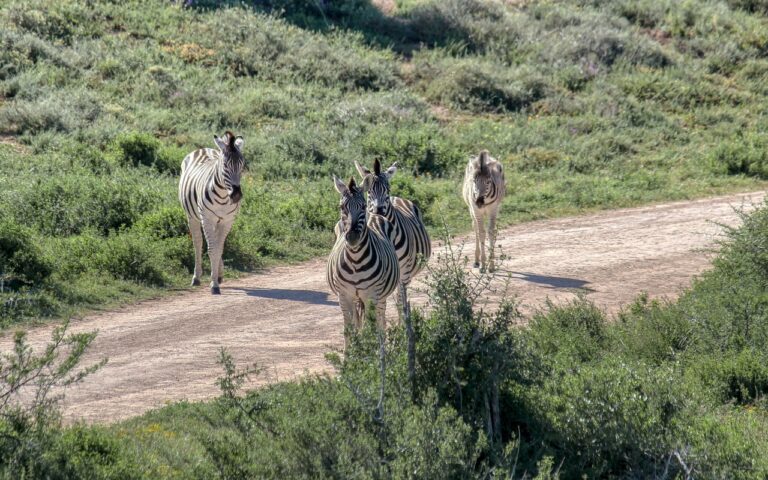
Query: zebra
{"type": "Point", "coordinates": [411, 239]}
{"type": "Point", "coordinates": [209, 192]}
{"type": "Point", "coordinates": [484, 191]}
{"type": "Point", "coordinates": [362, 266]}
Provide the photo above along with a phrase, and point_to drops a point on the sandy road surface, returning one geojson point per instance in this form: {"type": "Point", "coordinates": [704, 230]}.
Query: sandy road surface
{"type": "Point", "coordinates": [284, 319]}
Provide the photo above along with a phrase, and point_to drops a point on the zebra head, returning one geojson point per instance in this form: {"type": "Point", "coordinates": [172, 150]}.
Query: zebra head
{"type": "Point", "coordinates": [481, 178]}
{"type": "Point", "coordinates": [352, 208]}
{"type": "Point", "coordinates": [232, 165]}
{"type": "Point", "coordinates": [377, 185]}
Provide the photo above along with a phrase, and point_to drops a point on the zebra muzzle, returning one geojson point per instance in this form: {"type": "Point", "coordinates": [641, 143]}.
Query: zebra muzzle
{"type": "Point", "coordinates": [236, 194]}
{"type": "Point", "coordinates": [480, 201]}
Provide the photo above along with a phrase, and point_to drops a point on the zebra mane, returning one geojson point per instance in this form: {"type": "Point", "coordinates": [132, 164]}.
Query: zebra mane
{"type": "Point", "coordinates": [482, 162]}
{"type": "Point", "coordinates": [376, 167]}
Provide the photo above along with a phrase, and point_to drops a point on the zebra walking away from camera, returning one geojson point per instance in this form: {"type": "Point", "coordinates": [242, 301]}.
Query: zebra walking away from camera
{"type": "Point", "coordinates": [209, 191]}
{"type": "Point", "coordinates": [484, 190]}
{"type": "Point", "coordinates": [411, 239]}
{"type": "Point", "coordinates": [362, 266]}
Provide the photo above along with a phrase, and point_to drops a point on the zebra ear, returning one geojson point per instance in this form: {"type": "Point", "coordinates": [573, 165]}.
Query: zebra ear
{"type": "Point", "coordinates": [222, 144]}
{"type": "Point", "coordinates": [239, 143]}
{"type": "Point", "coordinates": [340, 187]}
{"type": "Point", "coordinates": [391, 170]}
{"type": "Point", "coordinates": [362, 170]}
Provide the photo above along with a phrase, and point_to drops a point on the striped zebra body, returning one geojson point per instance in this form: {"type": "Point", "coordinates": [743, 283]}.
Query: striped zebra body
{"type": "Point", "coordinates": [362, 266]}
{"type": "Point", "coordinates": [483, 191]}
{"type": "Point", "coordinates": [209, 192]}
{"type": "Point", "coordinates": [410, 237]}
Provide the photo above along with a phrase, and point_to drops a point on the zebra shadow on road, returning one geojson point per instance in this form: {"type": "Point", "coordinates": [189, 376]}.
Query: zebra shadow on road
{"type": "Point", "coordinates": [306, 296]}
{"type": "Point", "coordinates": [553, 282]}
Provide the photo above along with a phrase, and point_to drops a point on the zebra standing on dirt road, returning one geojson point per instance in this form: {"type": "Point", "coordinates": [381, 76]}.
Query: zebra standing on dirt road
{"type": "Point", "coordinates": [362, 266]}
{"type": "Point", "coordinates": [411, 240]}
{"type": "Point", "coordinates": [484, 189]}
{"type": "Point", "coordinates": [209, 191]}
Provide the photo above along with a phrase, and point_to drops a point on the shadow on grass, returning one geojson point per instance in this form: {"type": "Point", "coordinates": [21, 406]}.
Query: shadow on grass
{"type": "Point", "coordinates": [379, 29]}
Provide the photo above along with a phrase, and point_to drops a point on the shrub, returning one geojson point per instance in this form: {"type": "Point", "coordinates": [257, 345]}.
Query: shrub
{"type": "Point", "coordinates": [29, 415]}
{"type": "Point", "coordinates": [19, 51]}
{"type": "Point", "coordinates": [478, 26]}
{"type": "Point", "coordinates": [21, 260]}
{"type": "Point", "coordinates": [573, 332]}
{"type": "Point", "coordinates": [165, 222]}
{"type": "Point", "coordinates": [132, 257]}
{"type": "Point", "coordinates": [479, 86]}
{"type": "Point", "coordinates": [654, 331]}
{"type": "Point", "coordinates": [734, 377]}
{"type": "Point", "coordinates": [758, 6]}
{"type": "Point", "coordinates": [50, 113]}
{"type": "Point", "coordinates": [127, 255]}
{"type": "Point", "coordinates": [135, 149]}
{"type": "Point", "coordinates": [743, 155]}
{"type": "Point", "coordinates": [71, 203]}
{"type": "Point", "coordinates": [608, 417]}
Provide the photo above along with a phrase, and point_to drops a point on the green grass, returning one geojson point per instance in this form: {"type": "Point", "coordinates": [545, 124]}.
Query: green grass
{"type": "Point", "coordinates": [589, 105]}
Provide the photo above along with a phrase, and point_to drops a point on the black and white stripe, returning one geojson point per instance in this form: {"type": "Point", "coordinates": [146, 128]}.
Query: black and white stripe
{"type": "Point", "coordinates": [209, 192]}
{"type": "Point", "coordinates": [411, 239]}
{"type": "Point", "coordinates": [362, 266]}
{"type": "Point", "coordinates": [484, 189]}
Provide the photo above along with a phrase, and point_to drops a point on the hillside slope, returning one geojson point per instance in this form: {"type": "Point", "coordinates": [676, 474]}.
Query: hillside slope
{"type": "Point", "coordinates": [589, 104]}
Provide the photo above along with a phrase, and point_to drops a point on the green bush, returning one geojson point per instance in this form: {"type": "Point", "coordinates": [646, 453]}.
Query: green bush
{"type": "Point", "coordinates": [758, 6]}
{"type": "Point", "coordinates": [480, 86]}
{"type": "Point", "coordinates": [740, 156]}
{"type": "Point", "coordinates": [21, 261]}
{"type": "Point", "coordinates": [165, 222]}
{"type": "Point", "coordinates": [608, 417]}
{"type": "Point", "coordinates": [137, 149]}
{"type": "Point", "coordinates": [574, 332]}
{"type": "Point", "coordinates": [735, 377]}
{"type": "Point", "coordinates": [132, 257]}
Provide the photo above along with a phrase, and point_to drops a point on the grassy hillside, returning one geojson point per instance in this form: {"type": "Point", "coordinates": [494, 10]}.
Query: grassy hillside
{"type": "Point", "coordinates": [589, 104]}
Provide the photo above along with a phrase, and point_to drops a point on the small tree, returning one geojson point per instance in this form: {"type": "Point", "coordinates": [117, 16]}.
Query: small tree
{"type": "Point", "coordinates": [29, 409]}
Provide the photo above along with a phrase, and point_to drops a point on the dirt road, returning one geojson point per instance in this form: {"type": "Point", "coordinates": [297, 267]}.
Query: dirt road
{"type": "Point", "coordinates": [165, 350]}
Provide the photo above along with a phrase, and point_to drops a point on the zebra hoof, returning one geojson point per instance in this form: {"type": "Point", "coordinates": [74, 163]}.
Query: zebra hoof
{"type": "Point", "coordinates": [215, 291]}
{"type": "Point", "coordinates": [476, 265]}
{"type": "Point", "coordinates": [195, 282]}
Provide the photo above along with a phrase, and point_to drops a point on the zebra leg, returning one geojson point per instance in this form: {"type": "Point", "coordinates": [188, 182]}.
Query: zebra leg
{"type": "Point", "coordinates": [196, 232]}
{"type": "Point", "coordinates": [214, 252]}
{"type": "Point", "coordinates": [402, 301]}
{"type": "Point", "coordinates": [492, 240]}
{"type": "Point", "coordinates": [478, 227]}
{"type": "Point", "coordinates": [381, 314]}
{"type": "Point", "coordinates": [221, 231]}
{"type": "Point", "coordinates": [481, 240]}
{"type": "Point", "coordinates": [348, 311]}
